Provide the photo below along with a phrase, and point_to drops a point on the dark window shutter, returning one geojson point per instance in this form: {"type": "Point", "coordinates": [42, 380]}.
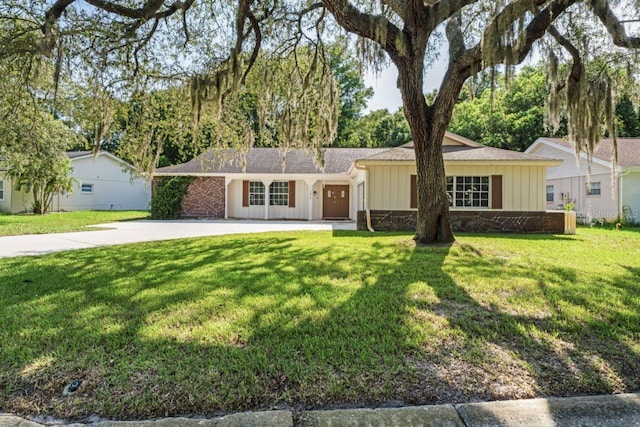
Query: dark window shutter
{"type": "Point", "coordinates": [245, 194]}
{"type": "Point", "coordinates": [292, 194]}
{"type": "Point", "coordinates": [496, 191]}
{"type": "Point", "coordinates": [414, 192]}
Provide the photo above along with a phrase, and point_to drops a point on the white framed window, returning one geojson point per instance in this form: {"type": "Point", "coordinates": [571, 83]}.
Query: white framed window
{"type": "Point", "coordinates": [86, 189]}
{"type": "Point", "coordinates": [549, 193]}
{"type": "Point", "coordinates": [1, 190]}
{"type": "Point", "coordinates": [279, 193]}
{"type": "Point", "coordinates": [468, 191]}
{"type": "Point", "coordinates": [593, 188]}
{"type": "Point", "coordinates": [256, 193]}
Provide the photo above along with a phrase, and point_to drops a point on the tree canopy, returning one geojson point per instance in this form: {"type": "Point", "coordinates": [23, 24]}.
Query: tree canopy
{"type": "Point", "coordinates": [216, 48]}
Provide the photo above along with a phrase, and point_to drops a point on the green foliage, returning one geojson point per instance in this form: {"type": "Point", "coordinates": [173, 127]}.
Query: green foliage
{"type": "Point", "coordinates": [168, 193]}
{"type": "Point", "coordinates": [627, 118]}
{"type": "Point", "coordinates": [378, 129]}
{"type": "Point", "coordinates": [33, 153]}
{"type": "Point", "coordinates": [353, 94]}
{"type": "Point", "coordinates": [509, 117]}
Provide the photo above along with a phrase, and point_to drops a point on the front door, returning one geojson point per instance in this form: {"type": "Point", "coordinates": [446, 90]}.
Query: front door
{"type": "Point", "coordinates": [335, 203]}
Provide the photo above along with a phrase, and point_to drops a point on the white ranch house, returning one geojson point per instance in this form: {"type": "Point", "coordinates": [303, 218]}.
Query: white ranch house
{"type": "Point", "coordinates": [101, 183]}
{"type": "Point", "coordinates": [490, 189]}
{"type": "Point", "coordinates": [608, 193]}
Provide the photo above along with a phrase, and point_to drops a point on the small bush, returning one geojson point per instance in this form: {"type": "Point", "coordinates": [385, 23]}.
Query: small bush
{"type": "Point", "coordinates": [168, 194]}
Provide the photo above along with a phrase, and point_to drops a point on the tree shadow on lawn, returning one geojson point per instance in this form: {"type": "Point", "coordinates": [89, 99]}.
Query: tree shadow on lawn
{"type": "Point", "coordinates": [301, 326]}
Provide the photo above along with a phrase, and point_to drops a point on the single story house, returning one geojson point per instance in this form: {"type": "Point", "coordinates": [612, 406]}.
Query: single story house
{"type": "Point", "coordinates": [604, 194]}
{"type": "Point", "coordinates": [101, 183]}
{"type": "Point", "coordinates": [490, 189]}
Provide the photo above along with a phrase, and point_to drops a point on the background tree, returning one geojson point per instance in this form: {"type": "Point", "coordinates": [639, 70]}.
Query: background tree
{"type": "Point", "coordinates": [33, 154]}
{"type": "Point", "coordinates": [216, 45]}
{"type": "Point", "coordinates": [508, 116]}
{"type": "Point", "coordinates": [377, 129]}
{"type": "Point", "coordinates": [627, 118]}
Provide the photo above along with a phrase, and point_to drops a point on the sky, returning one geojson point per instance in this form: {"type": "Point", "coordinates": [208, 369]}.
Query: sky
{"type": "Point", "coordinates": [386, 93]}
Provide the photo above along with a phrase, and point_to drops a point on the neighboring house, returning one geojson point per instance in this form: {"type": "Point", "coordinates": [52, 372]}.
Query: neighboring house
{"type": "Point", "coordinates": [490, 189]}
{"type": "Point", "coordinates": [603, 194]}
{"type": "Point", "coordinates": [101, 183]}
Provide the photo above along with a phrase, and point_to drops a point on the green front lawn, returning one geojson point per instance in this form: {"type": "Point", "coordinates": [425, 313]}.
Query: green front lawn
{"type": "Point", "coordinates": [62, 222]}
{"type": "Point", "coordinates": [318, 319]}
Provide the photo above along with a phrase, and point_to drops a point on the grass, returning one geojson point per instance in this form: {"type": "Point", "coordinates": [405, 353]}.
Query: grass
{"type": "Point", "coordinates": [315, 319]}
{"type": "Point", "coordinates": [62, 222]}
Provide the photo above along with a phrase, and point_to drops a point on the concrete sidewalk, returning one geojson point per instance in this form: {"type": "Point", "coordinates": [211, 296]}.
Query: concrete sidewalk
{"type": "Point", "coordinates": [118, 233]}
{"type": "Point", "coordinates": [589, 411]}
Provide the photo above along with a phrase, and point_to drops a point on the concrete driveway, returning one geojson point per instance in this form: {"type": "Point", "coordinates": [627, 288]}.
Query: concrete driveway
{"type": "Point", "coordinates": [146, 231]}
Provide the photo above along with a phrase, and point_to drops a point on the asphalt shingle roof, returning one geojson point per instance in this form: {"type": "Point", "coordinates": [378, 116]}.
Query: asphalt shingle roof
{"type": "Point", "coordinates": [457, 153]}
{"type": "Point", "coordinates": [336, 160]}
{"type": "Point", "coordinates": [270, 161]}
{"type": "Point", "coordinates": [628, 150]}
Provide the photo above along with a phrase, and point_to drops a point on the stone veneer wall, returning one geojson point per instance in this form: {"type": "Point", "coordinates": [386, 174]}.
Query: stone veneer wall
{"type": "Point", "coordinates": [204, 198]}
{"type": "Point", "coordinates": [472, 221]}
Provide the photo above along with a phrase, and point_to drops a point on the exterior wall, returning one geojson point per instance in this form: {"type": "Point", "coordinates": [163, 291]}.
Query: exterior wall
{"type": "Point", "coordinates": [5, 200]}
{"type": "Point", "coordinates": [574, 189]}
{"type": "Point", "coordinates": [14, 200]}
{"type": "Point", "coordinates": [569, 182]}
{"type": "Point", "coordinates": [113, 187]}
{"type": "Point", "coordinates": [204, 198]}
{"type": "Point", "coordinates": [300, 211]}
{"type": "Point", "coordinates": [631, 194]}
{"type": "Point", "coordinates": [523, 185]}
{"type": "Point", "coordinates": [472, 221]}
{"type": "Point", "coordinates": [317, 200]}
{"type": "Point", "coordinates": [390, 186]}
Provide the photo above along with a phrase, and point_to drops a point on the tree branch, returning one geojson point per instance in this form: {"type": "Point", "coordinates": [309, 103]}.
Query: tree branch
{"type": "Point", "coordinates": [620, 38]}
{"type": "Point", "coordinates": [373, 27]}
{"type": "Point", "coordinates": [445, 9]}
{"type": "Point", "coordinates": [576, 67]}
{"type": "Point", "coordinates": [397, 6]}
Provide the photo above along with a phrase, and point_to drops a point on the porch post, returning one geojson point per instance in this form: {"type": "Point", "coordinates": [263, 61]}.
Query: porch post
{"type": "Point", "coordinates": [227, 182]}
{"type": "Point", "coordinates": [266, 183]}
{"type": "Point", "coordinates": [310, 183]}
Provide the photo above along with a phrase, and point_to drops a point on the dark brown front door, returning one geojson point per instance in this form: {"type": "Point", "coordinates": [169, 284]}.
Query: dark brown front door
{"type": "Point", "coordinates": [335, 203]}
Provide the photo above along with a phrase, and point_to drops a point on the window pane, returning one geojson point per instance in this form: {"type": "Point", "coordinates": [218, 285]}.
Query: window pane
{"type": "Point", "coordinates": [256, 193]}
{"type": "Point", "coordinates": [593, 189]}
{"type": "Point", "coordinates": [470, 191]}
{"type": "Point", "coordinates": [549, 193]}
{"type": "Point", "coordinates": [279, 193]}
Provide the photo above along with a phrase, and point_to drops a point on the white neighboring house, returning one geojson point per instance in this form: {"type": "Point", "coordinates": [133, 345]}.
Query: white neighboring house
{"type": "Point", "coordinates": [101, 183]}
{"type": "Point", "coordinates": [601, 195]}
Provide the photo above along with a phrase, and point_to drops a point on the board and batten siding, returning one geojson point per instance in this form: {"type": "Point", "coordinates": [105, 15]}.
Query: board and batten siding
{"type": "Point", "coordinates": [236, 210]}
{"type": "Point", "coordinates": [390, 186]}
{"type": "Point", "coordinates": [523, 186]}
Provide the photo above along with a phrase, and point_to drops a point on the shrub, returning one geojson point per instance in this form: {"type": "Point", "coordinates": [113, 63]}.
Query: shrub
{"type": "Point", "coordinates": [168, 194]}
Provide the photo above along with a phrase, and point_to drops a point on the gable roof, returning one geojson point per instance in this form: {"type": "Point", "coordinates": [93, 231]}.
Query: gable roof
{"type": "Point", "coordinates": [459, 153]}
{"type": "Point", "coordinates": [270, 161]}
{"type": "Point", "coordinates": [628, 150]}
{"type": "Point", "coordinates": [337, 160]}
{"type": "Point", "coordinates": [77, 155]}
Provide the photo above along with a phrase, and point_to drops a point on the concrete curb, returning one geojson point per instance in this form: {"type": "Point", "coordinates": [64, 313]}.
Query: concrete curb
{"type": "Point", "coordinates": [586, 411]}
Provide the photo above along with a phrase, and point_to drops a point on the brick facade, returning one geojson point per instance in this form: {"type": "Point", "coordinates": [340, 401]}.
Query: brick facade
{"type": "Point", "coordinates": [472, 221]}
{"type": "Point", "coordinates": [204, 198]}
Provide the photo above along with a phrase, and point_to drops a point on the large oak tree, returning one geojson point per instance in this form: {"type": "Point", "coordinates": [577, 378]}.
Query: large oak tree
{"type": "Point", "coordinates": [480, 34]}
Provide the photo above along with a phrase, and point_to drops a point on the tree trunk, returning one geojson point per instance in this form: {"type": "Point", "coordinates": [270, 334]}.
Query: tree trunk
{"type": "Point", "coordinates": [427, 129]}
